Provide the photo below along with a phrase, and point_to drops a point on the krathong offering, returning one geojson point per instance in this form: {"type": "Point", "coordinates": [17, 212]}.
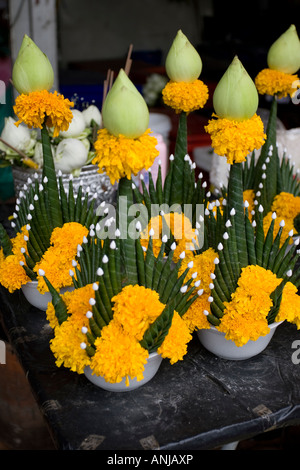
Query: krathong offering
{"type": "Point", "coordinates": [170, 258]}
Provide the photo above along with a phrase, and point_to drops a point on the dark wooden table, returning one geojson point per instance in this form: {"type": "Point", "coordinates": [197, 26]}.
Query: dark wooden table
{"type": "Point", "coordinates": [200, 403]}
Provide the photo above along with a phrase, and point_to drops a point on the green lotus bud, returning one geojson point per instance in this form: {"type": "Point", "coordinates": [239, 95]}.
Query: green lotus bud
{"type": "Point", "coordinates": [284, 54]}
{"type": "Point", "coordinates": [32, 70]}
{"type": "Point", "coordinates": [183, 63]}
{"type": "Point", "coordinates": [235, 96]}
{"type": "Point", "coordinates": [124, 110]}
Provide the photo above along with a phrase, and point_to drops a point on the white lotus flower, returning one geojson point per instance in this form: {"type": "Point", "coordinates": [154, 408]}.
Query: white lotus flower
{"type": "Point", "coordinates": [38, 154]}
{"type": "Point", "coordinates": [77, 125]}
{"type": "Point", "coordinates": [90, 114]}
{"type": "Point", "coordinates": [19, 137]}
{"type": "Point", "coordinates": [71, 154]}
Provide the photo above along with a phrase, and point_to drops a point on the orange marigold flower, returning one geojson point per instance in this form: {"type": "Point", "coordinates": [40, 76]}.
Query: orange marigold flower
{"type": "Point", "coordinates": [236, 139]}
{"type": "Point", "coordinates": [273, 82]}
{"type": "Point", "coordinates": [39, 107]}
{"type": "Point", "coordinates": [122, 156]}
{"type": "Point", "coordinates": [185, 96]}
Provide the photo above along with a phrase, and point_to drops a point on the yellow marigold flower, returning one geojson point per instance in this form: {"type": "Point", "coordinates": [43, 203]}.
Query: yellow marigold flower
{"type": "Point", "coordinates": [287, 207]}
{"type": "Point", "coordinates": [135, 308]}
{"type": "Point", "coordinates": [12, 274]}
{"type": "Point", "coordinates": [195, 317]}
{"type": "Point", "coordinates": [180, 227]}
{"type": "Point", "coordinates": [288, 226]}
{"type": "Point", "coordinates": [121, 156]}
{"type": "Point", "coordinates": [203, 265]}
{"type": "Point", "coordinates": [249, 196]}
{"type": "Point", "coordinates": [274, 82]}
{"type": "Point", "coordinates": [66, 347]}
{"type": "Point", "coordinates": [77, 302]}
{"type": "Point", "coordinates": [185, 96]}
{"type": "Point", "coordinates": [175, 343]}
{"type": "Point", "coordinates": [39, 107]}
{"type": "Point", "coordinates": [236, 139]}
{"type": "Point", "coordinates": [118, 355]}
{"type": "Point", "coordinates": [2, 255]}
{"type": "Point", "coordinates": [245, 315]}
{"type": "Point", "coordinates": [57, 260]}
{"type": "Point", "coordinates": [289, 309]}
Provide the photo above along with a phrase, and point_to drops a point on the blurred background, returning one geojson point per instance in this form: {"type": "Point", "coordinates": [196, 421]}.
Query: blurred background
{"type": "Point", "coordinates": [83, 39]}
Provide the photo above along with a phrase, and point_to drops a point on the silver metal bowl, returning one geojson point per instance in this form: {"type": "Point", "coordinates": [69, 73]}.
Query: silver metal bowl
{"type": "Point", "coordinates": [89, 178]}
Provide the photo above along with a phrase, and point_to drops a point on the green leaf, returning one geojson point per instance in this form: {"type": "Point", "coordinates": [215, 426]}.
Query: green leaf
{"type": "Point", "coordinates": [5, 241]}
{"type": "Point", "coordinates": [157, 331]}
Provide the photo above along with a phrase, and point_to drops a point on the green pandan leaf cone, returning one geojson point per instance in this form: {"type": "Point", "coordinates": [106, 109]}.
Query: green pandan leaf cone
{"type": "Point", "coordinates": [124, 110]}
{"type": "Point", "coordinates": [183, 63]}
{"type": "Point", "coordinates": [284, 54]}
{"type": "Point", "coordinates": [32, 70]}
{"type": "Point", "coordinates": [235, 96]}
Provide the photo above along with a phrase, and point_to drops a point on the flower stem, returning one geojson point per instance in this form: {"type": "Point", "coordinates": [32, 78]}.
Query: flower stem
{"type": "Point", "coordinates": [176, 196]}
{"type": "Point", "coordinates": [235, 201]}
{"type": "Point", "coordinates": [270, 183]}
{"type": "Point", "coordinates": [127, 242]}
{"type": "Point", "coordinates": [51, 185]}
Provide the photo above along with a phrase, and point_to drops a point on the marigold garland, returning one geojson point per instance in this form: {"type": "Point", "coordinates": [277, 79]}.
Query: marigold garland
{"type": "Point", "coordinates": [39, 107]}
{"type": "Point", "coordinates": [121, 156]}
{"type": "Point", "coordinates": [180, 227]}
{"type": "Point", "coordinates": [57, 260]}
{"type": "Point", "coordinates": [185, 96]}
{"type": "Point", "coordinates": [273, 82]}
{"type": "Point", "coordinates": [236, 139]}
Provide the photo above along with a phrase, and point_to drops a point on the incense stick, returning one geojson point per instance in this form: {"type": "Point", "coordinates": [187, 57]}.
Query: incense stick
{"type": "Point", "coordinates": [128, 60]}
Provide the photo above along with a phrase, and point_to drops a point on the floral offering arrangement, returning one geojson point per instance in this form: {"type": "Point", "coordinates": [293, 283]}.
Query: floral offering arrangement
{"type": "Point", "coordinates": [173, 258]}
{"type": "Point", "coordinates": [72, 142]}
{"type": "Point", "coordinates": [48, 222]}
